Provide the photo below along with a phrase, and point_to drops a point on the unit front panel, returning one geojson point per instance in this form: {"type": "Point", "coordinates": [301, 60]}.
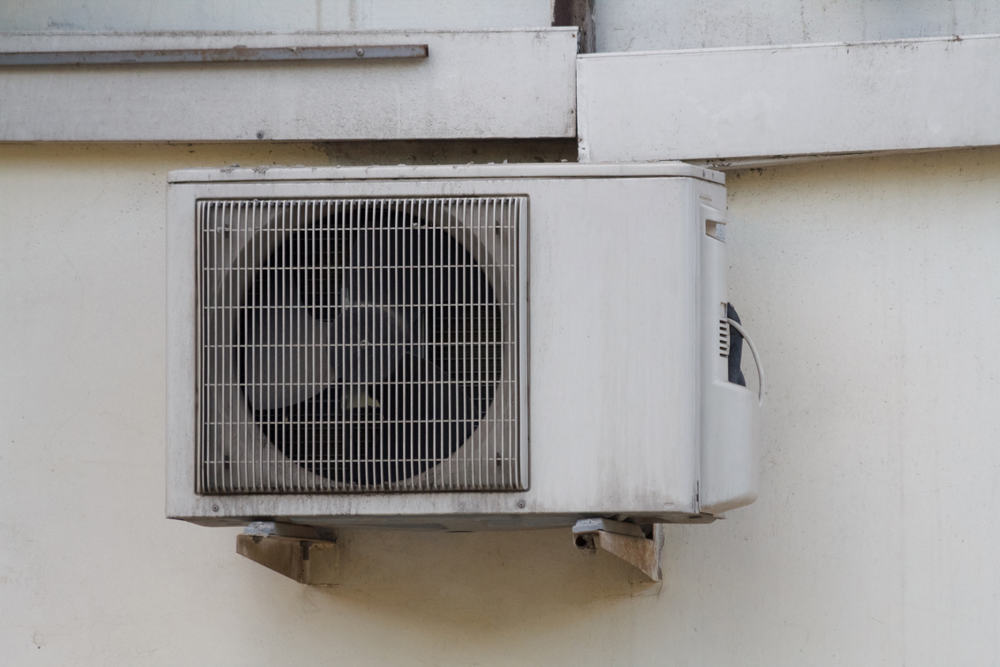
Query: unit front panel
{"type": "Point", "coordinates": [552, 331]}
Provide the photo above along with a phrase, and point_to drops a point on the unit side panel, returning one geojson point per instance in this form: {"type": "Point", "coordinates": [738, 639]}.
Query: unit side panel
{"type": "Point", "coordinates": [729, 449]}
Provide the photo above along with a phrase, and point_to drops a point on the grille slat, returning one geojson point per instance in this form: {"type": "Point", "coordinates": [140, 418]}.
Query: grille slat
{"type": "Point", "coordinates": [358, 345]}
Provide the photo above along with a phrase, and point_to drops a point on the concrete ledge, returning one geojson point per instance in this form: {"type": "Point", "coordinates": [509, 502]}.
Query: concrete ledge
{"type": "Point", "coordinates": [791, 100]}
{"type": "Point", "coordinates": [472, 85]}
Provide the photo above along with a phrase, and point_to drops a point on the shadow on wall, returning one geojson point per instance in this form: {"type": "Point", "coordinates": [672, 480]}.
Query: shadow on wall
{"type": "Point", "coordinates": [486, 581]}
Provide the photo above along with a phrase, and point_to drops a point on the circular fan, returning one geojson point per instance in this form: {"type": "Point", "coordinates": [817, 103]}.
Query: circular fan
{"type": "Point", "coordinates": [364, 337]}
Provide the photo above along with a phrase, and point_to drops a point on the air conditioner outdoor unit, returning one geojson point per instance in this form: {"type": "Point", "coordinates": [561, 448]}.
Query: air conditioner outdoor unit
{"type": "Point", "coordinates": [459, 347]}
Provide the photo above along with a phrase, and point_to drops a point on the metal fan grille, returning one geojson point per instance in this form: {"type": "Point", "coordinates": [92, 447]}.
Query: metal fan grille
{"type": "Point", "coordinates": [359, 345]}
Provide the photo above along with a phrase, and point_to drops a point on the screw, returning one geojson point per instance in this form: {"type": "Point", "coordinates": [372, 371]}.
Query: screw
{"type": "Point", "coordinates": [215, 508]}
{"type": "Point", "coordinates": [260, 134]}
{"type": "Point", "coordinates": [360, 52]}
{"type": "Point", "coordinates": [520, 504]}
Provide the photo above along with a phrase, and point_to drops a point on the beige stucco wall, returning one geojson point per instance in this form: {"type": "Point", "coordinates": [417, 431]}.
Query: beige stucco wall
{"type": "Point", "coordinates": [872, 290]}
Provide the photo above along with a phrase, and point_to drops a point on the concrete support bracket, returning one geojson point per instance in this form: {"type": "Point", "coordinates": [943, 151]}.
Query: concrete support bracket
{"type": "Point", "coordinates": [626, 541]}
{"type": "Point", "coordinates": [307, 555]}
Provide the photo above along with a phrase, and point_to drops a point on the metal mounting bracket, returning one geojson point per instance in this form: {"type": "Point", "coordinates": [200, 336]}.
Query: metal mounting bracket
{"type": "Point", "coordinates": [303, 553]}
{"type": "Point", "coordinates": [624, 540]}
{"type": "Point", "coordinates": [311, 556]}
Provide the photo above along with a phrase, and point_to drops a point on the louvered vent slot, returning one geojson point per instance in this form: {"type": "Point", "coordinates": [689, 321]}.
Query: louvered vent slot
{"type": "Point", "coordinates": [724, 339]}
{"type": "Point", "coordinates": [356, 345]}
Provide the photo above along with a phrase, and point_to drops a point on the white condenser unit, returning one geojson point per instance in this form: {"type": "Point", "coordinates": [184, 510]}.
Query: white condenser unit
{"type": "Point", "coordinates": [461, 347]}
